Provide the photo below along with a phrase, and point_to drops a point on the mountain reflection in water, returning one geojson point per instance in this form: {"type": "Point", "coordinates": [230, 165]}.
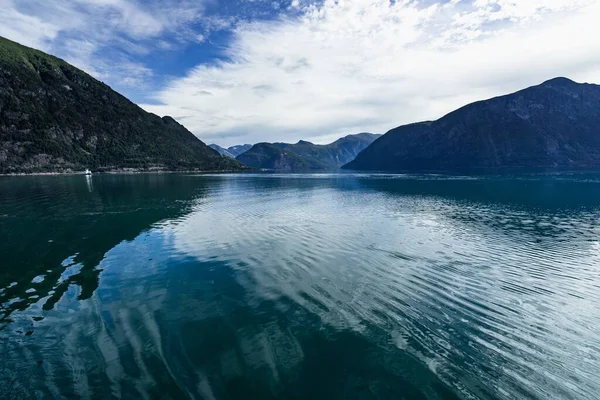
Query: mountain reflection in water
{"type": "Point", "coordinates": [300, 286]}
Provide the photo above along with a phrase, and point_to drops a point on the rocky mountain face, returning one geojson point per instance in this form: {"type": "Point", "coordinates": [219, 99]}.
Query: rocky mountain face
{"type": "Point", "coordinates": [555, 124]}
{"type": "Point", "coordinates": [56, 118]}
{"type": "Point", "coordinates": [232, 151]}
{"type": "Point", "coordinates": [304, 155]}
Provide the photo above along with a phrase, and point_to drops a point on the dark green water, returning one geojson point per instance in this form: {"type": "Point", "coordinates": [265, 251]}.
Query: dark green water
{"type": "Point", "coordinates": [300, 287]}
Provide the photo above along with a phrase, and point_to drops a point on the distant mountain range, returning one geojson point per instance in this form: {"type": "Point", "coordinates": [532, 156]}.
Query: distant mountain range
{"type": "Point", "coordinates": [303, 156]}
{"type": "Point", "coordinates": [555, 124]}
{"type": "Point", "coordinates": [239, 149]}
{"type": "Point", "coordinates": [233, 151]}
{"type": "Point", "coordinates": [56, 118]}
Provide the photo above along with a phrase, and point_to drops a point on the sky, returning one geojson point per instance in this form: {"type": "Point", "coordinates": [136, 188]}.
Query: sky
{"type": "Point", "coordinates": [247, 71]}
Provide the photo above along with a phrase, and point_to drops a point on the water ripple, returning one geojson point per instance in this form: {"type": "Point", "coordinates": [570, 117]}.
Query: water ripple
{"type": "Point", "coordinates": [485, 287]}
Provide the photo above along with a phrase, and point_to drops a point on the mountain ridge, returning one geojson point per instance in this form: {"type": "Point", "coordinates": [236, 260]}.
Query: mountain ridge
{"type": "Point", "coordinates": [304, 155]}
{"type": "Point", "coordinates": [55, 117]}
{"type": "Point", "coordinates": [222, 151]}
{"type": "Point", "coordinates": [553, 124]}
{"type": "Point", "coordinates": [231, 151]}
{"type": "Point", "coordinates": [239, 149]}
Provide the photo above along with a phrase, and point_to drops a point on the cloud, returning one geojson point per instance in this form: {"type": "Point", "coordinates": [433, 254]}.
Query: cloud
{"type": "Point", "coordinates": [370, 65]}
{"type": "Point", "coordinates": [312, 69]}
{"type": "Point", "coordinates": [103, 37]}
{"type": "Point", "coordinates": [26, 29]}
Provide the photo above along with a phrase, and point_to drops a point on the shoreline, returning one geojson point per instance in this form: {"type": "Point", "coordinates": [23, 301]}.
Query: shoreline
{"type": "Point", "coordinates": [477, 172]}
{"type": "Point", "coordinates": [126, 172]}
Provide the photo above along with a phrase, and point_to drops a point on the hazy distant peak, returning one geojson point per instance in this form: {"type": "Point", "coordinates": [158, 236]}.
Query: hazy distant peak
{"type": "Point", "coordinates": [221, 150]}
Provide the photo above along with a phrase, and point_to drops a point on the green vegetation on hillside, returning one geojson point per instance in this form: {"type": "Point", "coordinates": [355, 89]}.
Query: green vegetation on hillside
{"type": "Point", "coordinates": [56, 118]}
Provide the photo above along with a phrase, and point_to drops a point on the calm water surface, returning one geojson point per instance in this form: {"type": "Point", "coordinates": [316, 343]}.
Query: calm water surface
{"type": "Point", "coordinates": [300, 287]}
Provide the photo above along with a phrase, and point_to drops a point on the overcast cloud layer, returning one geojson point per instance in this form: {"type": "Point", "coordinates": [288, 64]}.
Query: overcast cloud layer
{"type": "Point", "coordinates": [314, 71]}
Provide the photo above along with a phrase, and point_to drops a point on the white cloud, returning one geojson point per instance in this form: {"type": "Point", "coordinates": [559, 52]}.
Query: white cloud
{"type": "Point", "coordinates": [370, 65]}
{"type": "Point", "coordinates": [26, 29]}
{"type": "Point", "coordinates": [84, 31]}
{"type": "Point", "coordinates": [328, 68]}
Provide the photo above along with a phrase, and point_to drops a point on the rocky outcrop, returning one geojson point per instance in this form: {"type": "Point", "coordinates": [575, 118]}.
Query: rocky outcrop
{"type": "Point", "coordinates": [221, 150]}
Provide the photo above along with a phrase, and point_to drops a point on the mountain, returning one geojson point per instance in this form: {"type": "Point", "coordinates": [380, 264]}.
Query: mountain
{"type": "Point", "coordinates": [270, 156]}
{"type": "Point", "coordinates": [221, 150]}
{"type": "Point", "coordinates": [56, 118]}
{"type": "Point", "coordinates": [305, 155]}
{"type": "Point", "coordinates": [239, 149]}
{"type": "Point", "coordinates": [232, 151]}
{"type": "Point", "coordinates": [555, 124]}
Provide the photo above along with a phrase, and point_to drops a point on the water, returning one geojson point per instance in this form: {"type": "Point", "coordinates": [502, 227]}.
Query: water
{"type": "Point", "coordinates": [300, 286]}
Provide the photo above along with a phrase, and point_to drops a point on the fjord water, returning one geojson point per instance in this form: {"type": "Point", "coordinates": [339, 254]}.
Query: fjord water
{"type": "Point", "coordinates": [300, 286]}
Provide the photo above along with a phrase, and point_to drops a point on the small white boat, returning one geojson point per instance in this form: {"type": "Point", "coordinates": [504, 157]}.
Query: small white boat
{"type": "Point", "coordinates": [87, 172]}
